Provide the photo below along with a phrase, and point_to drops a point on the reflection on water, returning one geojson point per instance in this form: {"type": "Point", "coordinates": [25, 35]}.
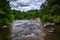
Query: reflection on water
{"type": "Point", "coordinates": [55, 35]}
{"type": "Point", "coordinates": [5, 34]}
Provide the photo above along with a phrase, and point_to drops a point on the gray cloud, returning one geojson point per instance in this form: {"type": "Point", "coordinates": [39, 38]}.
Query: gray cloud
{"type": "Point", "coordinates": [25, 5]}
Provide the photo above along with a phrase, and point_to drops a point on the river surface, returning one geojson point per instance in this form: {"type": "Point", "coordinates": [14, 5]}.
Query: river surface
{"type": "Point", "coordinates": [30, 30]}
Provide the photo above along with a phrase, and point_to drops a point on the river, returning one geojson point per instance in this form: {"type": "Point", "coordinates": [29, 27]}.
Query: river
{"type": "Point", "coordinates": [30, 30]}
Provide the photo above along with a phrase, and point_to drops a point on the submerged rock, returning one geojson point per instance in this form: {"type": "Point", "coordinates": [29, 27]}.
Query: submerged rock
{"type": "Point", "coordinates": [4, 27]}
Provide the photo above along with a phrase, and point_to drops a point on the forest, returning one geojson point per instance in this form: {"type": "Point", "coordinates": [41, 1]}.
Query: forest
{"type": "Point", "coordinates": [49, 11]}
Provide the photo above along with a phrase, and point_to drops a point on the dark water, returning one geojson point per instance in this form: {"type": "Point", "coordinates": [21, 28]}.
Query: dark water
{"type": "Point", "coordinates": [55, 35]}
{"type": "Point", "coordinates": [5, 33]}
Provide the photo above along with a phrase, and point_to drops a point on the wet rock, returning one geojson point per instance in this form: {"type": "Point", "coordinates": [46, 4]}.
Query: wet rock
{"type": "Point", "coordinates": [48, 23]}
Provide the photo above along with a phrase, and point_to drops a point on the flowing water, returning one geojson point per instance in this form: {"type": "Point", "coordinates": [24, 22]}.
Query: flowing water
{"type": "Point", "coordinates": [30, 30]}
{"type": "Point", "coordinates": [23, 29]}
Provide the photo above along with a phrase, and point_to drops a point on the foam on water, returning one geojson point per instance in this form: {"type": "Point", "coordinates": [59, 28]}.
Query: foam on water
{"type": "Point", "coordinates": [25, 28]}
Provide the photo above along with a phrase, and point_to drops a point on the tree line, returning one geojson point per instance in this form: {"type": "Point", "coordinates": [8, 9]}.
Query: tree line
{"type": "Point", "coordinates": [49, 11]}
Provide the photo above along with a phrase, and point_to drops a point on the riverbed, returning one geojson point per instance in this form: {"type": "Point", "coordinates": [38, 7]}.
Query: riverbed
{"type": "Point", "coordinates": [30, 30]}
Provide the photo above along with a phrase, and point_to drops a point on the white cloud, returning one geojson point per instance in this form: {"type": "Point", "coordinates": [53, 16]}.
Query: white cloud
{"type": "Point", "coordinates": [25, 5]}
{"type": "Point", "coordinates": [23, 1]}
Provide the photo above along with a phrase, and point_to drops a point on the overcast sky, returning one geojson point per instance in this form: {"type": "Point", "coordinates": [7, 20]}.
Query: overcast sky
{"type": "Point", "coordinates": [25, 5]}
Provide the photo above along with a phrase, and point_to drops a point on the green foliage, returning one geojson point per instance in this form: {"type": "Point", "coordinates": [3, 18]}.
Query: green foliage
{"type": "Point", "coordinates": [5, 13]}
{"type": "Point", "coordinates": [18, 15]}
{"type": "Point", "coordinates": [55, 9]}
{"type": "Point", "coordinates": [51, 11]}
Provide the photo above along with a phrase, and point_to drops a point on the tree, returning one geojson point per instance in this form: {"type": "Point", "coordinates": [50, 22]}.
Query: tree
{"type": "Point", "coordinates": [5, 13]}
{"type": "Point", "coordinates": [51, 11]}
